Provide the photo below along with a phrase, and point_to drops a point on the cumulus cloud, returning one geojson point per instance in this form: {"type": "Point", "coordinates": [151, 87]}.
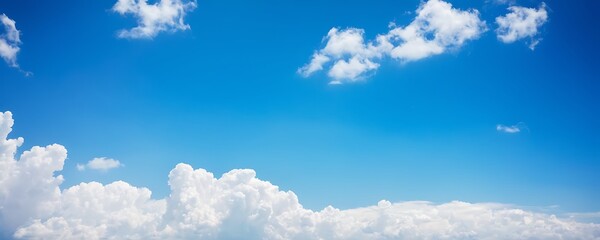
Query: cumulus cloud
{"type": "Point", "coordinates": [102, 164]}
{"type": "Point", "coordinates": [351, 57]}
{"type": "Point", "coordinates": [9, 41]}
{"type": "Point", "coordinates": [511, 128]}
{"type": "Point", "coordinates": [236, 205]}
{"type": "Point", "coordinates": [164, 15]}
{"type": "Point", "coordinates": [28, 187]}
{"type": "Point", "coordinates": [437, 28]}
{"type": "Point", "coordinates": [520, 23]}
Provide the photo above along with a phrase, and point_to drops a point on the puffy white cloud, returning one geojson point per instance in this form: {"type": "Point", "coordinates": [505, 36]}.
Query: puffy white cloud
{"type": "Point", "coordinates": [351, 57]}
{"type": "Point", "coordinates": [512, 128]}
{"type": "Point", "coordinates": [348, 42]}
{"type": "Point", "coordinates": [351, 69]}
{"type": "Point", "coordinates": [164, 15]}
{"type": "Point", "coordinates": [237, 205]}
{"type": "Point", "coordinates": [436, 28]}
{"type": "Point", "coordinates": [416, 48]}
{"type": "Point", "coordinates": [96, 211]}
{"type": "Point", "coordinates": [28, 187]}
{"type": "Point", "coordinates": [520, 23]}
{"type": "Point", "coordinates": [9, 41]}
{"type": "Point", "coordinates": [102, 163]}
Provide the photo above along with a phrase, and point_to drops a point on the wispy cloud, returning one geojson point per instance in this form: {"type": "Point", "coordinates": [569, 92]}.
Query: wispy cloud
{"type": "Point", "coordinates": [436, 28]}
{"type": "Point", "coordinates": [502, 2]}
{"type": "Point", "coordinates": [10, 40]}
{"type": "Point", "coordinates": [511, 128]}
{"type": "Point", "coordinates": [102, 164]}
{"type": "Point", "coordinates": [164, 15]}
{"type": "Point", "coordinates": [237, 205]}
{"type": "Point", "coordinates": [521, 23]}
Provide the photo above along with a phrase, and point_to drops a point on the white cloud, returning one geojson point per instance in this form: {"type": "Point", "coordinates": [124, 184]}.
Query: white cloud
{"type": "Point", "coordinates": [102, 163]}
{"type": "Point", "coordinates": [351, 69]}
{"type": "Point", "coordinates": [436, 28]}
{"type": "Point", "coordinates": [316, 64]}
{"type": "Point", "coordinates": [28, 187]}
{"type": "Point", "coordinates": [235, 206]}
{"type": "Point", "coordinates": [351, 57]}
{"type": "Point", "coordinates": [9, 41]}
{"type": "Point", "coordinates": [511, 129]}
{"type": "Point", "coordinates": [164, 15]}
{"type": "Point", "coordinates": [416, 49]}
{"type": "Point", "coordinates": [520, 23]}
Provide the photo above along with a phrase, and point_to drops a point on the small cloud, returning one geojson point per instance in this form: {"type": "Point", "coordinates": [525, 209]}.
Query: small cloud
{"type": "Point", "coordinates": [164, 15]}
{"type": "Point", "coordinates": [534, 43]}
{"type": "Point", "coordinates": [10, 40]}
{"type": "Point", "coordinates": [520, 23]}
{"type": "Point", "coordinates": [503, 2]}
{"type": "Point", "coordinates": [102, 164]}
{"type": "Point", "coordinates": [511, 129]}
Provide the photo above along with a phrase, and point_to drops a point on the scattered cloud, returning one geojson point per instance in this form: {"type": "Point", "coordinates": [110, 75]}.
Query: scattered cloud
{"type": "Point", "coordinates": [164, 15]}
{"type": "Point", "coordinates": [437, 28]}
{"type": "Point", "coordinates": [511, 129]}
{"type": "Point", "coordinates": [102, 164]}
{"type": "Point", "coordinates": [520, 23]}
{"type": "Point", "coordinates": [237, 205]}
{"type": "Point", "coordinates": [9, 42]}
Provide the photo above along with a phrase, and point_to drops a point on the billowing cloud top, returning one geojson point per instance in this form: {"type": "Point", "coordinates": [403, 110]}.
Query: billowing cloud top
{"type": "Point", "coordinates": [520, 23]}
{"type": "Point", "coordinates": [235, 206]}
{"type": "Point", "coordinates": [9, 41]}
{"type": "Point", "coordinates": [164, 15]}
{"type": "Point", "coordinates": [436, 28]}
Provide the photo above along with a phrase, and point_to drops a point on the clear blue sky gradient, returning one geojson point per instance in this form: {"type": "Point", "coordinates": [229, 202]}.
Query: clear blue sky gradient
{"type": "Point", "coordinates": [226, 95]}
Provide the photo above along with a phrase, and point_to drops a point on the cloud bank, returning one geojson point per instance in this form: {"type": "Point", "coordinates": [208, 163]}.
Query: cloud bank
{"type": "Point", "coordinates": [437, 28]}
{"type": "Point", "coordinates": [164, 15]}
{"type": "Point", "coordinates": [237, 205]}
{"type": "Point", "coordinates": [102, 164]}
{"type": "Point", "coordinates": [9, 41]}
{"type": "Point", "coordinates": [520, 23]}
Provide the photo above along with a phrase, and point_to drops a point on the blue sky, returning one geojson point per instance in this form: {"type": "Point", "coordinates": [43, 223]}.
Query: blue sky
{"type": "Point", "coordinates": [227, 94]}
